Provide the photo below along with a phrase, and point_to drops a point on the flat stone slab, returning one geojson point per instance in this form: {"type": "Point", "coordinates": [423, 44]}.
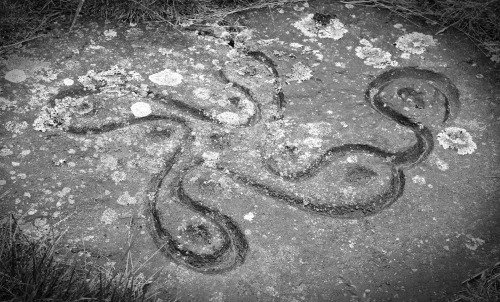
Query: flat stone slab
{"type": "Point", "coordinates": [315, 153]}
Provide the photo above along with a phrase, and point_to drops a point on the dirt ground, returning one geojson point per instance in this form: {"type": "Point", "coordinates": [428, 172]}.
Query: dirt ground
{"type": "Point", "coordinates": [317, 152]}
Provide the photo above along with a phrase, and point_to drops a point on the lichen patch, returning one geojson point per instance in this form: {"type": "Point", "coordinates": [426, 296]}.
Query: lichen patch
{"type": "Point", "coordinates": [373, 56]}
{"type": "Point", "coordinates": [141, 109]}
{"type": "Point", "coordinates": [166, 77]}
{"type": "Point", "coordinates": [415, 43]}
{"type": "Point", "coordinates": [300, 73]}
{"type": "Point", "coordinates": [458, 139]}
{"type": "Point", "coordinates": [15, 76]}
{"type": "Point", "coordinates": [125, 199]}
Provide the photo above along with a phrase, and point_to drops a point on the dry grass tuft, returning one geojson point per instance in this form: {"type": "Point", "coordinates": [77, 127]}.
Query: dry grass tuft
{"type": "Point", "coordinates": [22, 21]}
{"type": "Point", "coordinates": [482, 287]}
{"type": "Point", "coordinates": [29, 271]}
{"type": "Point", "coordinates": [25, 20]}
{"type": "Point", "coordinates": [478, 19]}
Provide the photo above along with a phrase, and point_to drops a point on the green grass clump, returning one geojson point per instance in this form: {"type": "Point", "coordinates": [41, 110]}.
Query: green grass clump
{"type": "Point", "coordinates": [29, 272]}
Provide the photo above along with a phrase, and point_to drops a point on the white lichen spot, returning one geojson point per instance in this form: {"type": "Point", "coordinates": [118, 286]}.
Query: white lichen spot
{"type": "Point", "coordinates": [493, 49]}
{"type": "Point", "coordinates": [229, 118]}
{"type": "Point", "coordinates": [440, 164]}
{"type": "Point", "coordinates": [165, 51]}
{"type": "Point", "coordinates": [233, 54]}
{"type": "Point", "coordinates": [65, 191]}
{"type": "Point", "coordinates": [125, 199]}
{"type": "Point", "coordinates": [141, 109]}
{"type": "Point", "coordinates": [373, 56]}
{"type": "Point", "coordinates": [246, 110]}
{"type": "Point", "coordinates": [304, 156]}
{"type": "Point", "coordinates": [313, 142]}
{"type": "Point", "coordinates": [114, 77]}
{"type": "Point", "coordinates": [36, 69]}
{"type": "Point", "coordinates": [118, 176]}
{"type": "Point", "coordinates": [108, 162]}
{"type": "Point", "coordinates": [474, 242]}
{"type": "Point", "coordinates": [210, 159]}
{"type": "Point", "coordinates": [110, 33]}
{"type": "Point", "coordinates": [418, 179]}
{"type": "Point", "coordinates": [405, 56]}
{"type": "Point", "coordinates": [352, 159]}
{"type": "Point", "coordinates": [199, 66]}
{"type": "Point", "coordinates": [6, 152]}
{"type": "Point", "coordinates": [348, 192]}
{"type": "Point", "coordinates": [472, 124]}
{"type": "Point", "coordinates": [415, 43]}
{"type": "Point", "coordinates": [60, 115]}
{"type": "Point", "coordinates": [38, 230]}
{"type": "Point", "coordinates": [95, 47]}
{"type": "Point", "coordinates": [133, 33]}
{"type": "Point", "coordinates": [495, 58]}
{"type": "Point", "coordinates": [335, 30]}
{"type": "Point", "coordinates": [310, 28]}
{"type": "Point", "coordinates": [318, 54]}
{"type": "Point", "coordinates": [202, 93]}
{"type": "Point", "coordinates": [40, 222]}
{"type": "Point", "coordinates": [458, 139]}
{"type": "Point", "coordinates": [5, 104]}
{"type": "Point", "coordinates": [300, 73]}
{"type": "Point", "coordinates": [298, 8]}
{"type": "Point", "coordinates": [244, 35]}
{"type": "Point", "coordinates": [318, 128]}
{"type": "Point", "coordinates": [109, 216]}
{"type": "Point", "coordinates": [166, 77]}
{"type": "Point", "coordinates": [249, 216]}
{"type": "Point", "coordinates": [15, 76]}
{"type": "Point", "coordinates": [217, 297]}
{"type": "Point", "coordinates": [68, 82]}
{"type": "Point", "coordinates": [365, 42]}
{"type": "Point", "coordinates": [16, 128]}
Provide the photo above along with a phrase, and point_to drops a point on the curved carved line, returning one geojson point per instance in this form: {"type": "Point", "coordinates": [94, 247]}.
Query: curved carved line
{"type": "Point", "coordinates": [234, 248]}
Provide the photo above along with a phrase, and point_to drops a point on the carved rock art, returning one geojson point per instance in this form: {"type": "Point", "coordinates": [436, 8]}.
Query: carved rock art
{"type": "Point", "coordinates": [206, 240]}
